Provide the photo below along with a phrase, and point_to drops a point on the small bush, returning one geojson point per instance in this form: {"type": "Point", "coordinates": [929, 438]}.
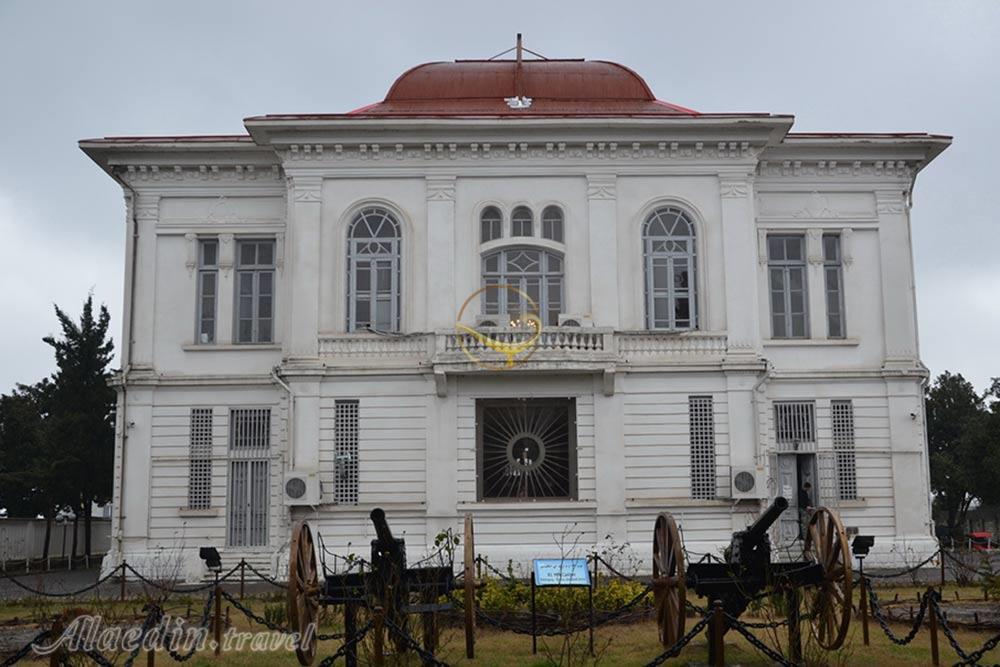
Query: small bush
{"type": "Point", "coordinates": [505, 595]}
{"type": "Point", "coordinates": [275, 614]}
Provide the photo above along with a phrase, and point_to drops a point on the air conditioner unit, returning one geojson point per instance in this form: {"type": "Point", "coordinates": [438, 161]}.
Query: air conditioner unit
{"type": "Point", "coordinates": [747, 482]}
{"type": "Point", "coordinates": [567, 320]}
{"type": "Point", "coordinates": [301, 488]}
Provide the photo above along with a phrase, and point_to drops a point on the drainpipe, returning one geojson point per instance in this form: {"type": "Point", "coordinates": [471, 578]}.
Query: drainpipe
{"type": "Point", "coordinates": [127, 360]}
{"type": "Point", "coordinates": [756, 408]}
{"type": "Point", "coordinates": [290, 429]}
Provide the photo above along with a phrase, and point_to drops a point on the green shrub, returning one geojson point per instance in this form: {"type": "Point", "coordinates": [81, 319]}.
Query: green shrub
{"type": "Point", "coordinates": [505, 595]}
{"type": "Point", "coordinates": [275, 614]}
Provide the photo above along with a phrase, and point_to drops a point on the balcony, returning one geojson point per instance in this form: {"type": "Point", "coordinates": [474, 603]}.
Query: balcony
{"type": "Point", "coordinates": [556, 349]}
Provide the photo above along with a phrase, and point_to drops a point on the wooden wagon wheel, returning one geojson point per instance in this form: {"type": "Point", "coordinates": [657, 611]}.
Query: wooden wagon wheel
{"type": "Point", "coordinates": [669, 591]}
{"type": "Point", "coordinates": [829, 602]}
{"type": "Point", "coordinates": [303, 592]}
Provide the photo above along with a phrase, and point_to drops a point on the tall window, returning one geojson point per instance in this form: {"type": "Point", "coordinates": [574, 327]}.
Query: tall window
{"type": "Point", "coordinates": [200, 459]}
{"type": "Point", "coordinates": [521, 221]}
{"type": "Point", "coordinates": [842, 414]}
{"type": "Point", "coordinates": [701, 420]}
{"type": "Point", "coordinates": [795, 425]}
{"type": "Point", "coordinates": [786, 263]}
{"type": "Point", "coordinates": [255, 291]}
{"type": "Point", "coordinates": [552, 223]}
{"type": "Point", "coordinates": [490, 224]}
{"type": "Point", "coordinates": [373, 259]}
{"type": "Point", "coordinates": [833, 270]}
{"type": "Point", "coordinates": [249, 476]}
{"type": "Point", "coordinates": [534, 273]}
{"type": "Point", "coordinates": [669, 252]}
{"type": "Point", "coordinates": [208, 287]}
{"type": "Point", "coordinates": [345, 444]}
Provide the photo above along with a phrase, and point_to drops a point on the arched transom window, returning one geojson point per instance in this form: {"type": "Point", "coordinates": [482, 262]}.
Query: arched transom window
{"type": "Point", "coordinates": [534, 272]}
{"type": "Point", "coordinates": [668, 240]}
{"type": "Point", "coordinates": [373, 258]}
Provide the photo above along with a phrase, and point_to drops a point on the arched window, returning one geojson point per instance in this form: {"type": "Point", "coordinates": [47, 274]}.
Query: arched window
{"type": "Point", "coordinates": [533, 272]}
{"type": "Point", "coordinates": [490, 224]}
{"type": "Point", "coordinates": [373, 254]}
{"type": "Point", "coordinates": [668, 241]}
{"type": "Point", "coordinates": [552, 223]}
{"type": "Point", "coordinates": [521, 222]}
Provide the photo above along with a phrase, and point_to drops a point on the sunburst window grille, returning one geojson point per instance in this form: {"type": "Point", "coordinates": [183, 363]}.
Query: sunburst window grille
{"type": "Point", "coordinates": [526, 449]}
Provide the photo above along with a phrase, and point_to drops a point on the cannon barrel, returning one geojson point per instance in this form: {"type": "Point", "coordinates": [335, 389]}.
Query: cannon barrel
{"type": "Point", "coordinates": [382, 527]}
{"type": "Point", "coordinates": [759, 528]}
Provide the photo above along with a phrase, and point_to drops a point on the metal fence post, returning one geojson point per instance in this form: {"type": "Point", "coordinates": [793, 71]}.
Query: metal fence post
{"type": "Point", "coordinates": [864, 609]}
{"type": "Point", "coordinates": [718, 628]}
{"type": "Point", "coordinates": [534, 628]}
{"type": "Point", "coordinates": [378, 659]}
{"type": "Point", "coordinates": [932, 608]}
{"type": "Point", "coordinates": [122, 592]}
{"type": "Point", "coordinates": [243, 569]}
{"type": "Point", "coordinates": [218, 617]}
{"type": "Point", "coordinates": [470, 589]}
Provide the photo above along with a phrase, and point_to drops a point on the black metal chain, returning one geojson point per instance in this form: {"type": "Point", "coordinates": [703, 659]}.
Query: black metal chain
{"type": "Point", "coordinates": [426, 656]}
{"type": "Point", "coordinates": [261, 575]}
{"type": "Point", "coordinates": [168, 589]}
{"type": "Point", "coordinates": [907, 571]}
{"type": "Point", "coordinates": [249, 613]}
{"type": "Point", "coordinates": [97, 657]}
{"type": "Point", "coordinates": [675, 650]}
{"type": "Point", "coordinates": [741, 628]}
{"type": "Point", "coordinates": [966, 658]}
{"type": "Point", "coordinates": [501, 575]}
{"type": "Point", "coordinates": [953, 558]}
{"type": "Point", "coordinates": [611, 568]}
{"type": "Point", "coordinates": [205, 613]}
{"type": "Point", "coordinates": [883, 622]}
{"type": "Point", "coordinates": [85, 589]}
{"type": "Point", "coordinates": [153, 617]}
{"type": "Point", "coordinates": [26, 649]}
{"type": "Point", "coordinates": [342, 651]}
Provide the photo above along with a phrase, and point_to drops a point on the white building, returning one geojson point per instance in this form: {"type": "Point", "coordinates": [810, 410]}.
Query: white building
{"type": "Point", "coordinates": [728, 308]}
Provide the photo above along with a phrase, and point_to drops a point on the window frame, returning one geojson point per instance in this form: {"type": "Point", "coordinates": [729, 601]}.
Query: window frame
{"type": "Point", "coordinates": [652, 256]}
{"type": "Point", "coordinates": [392, 260]}
{"type": "Point", "coordinates": [515, 222]}
{"type": "Point", "coordinates": [834, 265]}
{"type": "Point", "coordinates": [256, 270]}
{"type": "Point", "coordinates": [546, 277]}
{"type": "Point", "coordinates": [786, 267]}
{"type": "Point", "coordinates": [346, 441]}
{"type": "Point", "coordinates": [496, 224]}
{"type": "Point", "coordinates": [843, 434]}
{"type": "Point", "coordinates": [200, 445]}
{"type": "Point", "coordinates": [206, 269]}
{"type": "Point", "coordinates": [551, 224]}
{"type": "Point", "coordinates": [704, 461]}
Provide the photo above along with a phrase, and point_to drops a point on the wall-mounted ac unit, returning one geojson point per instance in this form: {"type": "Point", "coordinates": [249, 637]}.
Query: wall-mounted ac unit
{"type": "Point", "coordinates": [748, 482]}
{"type": "Point", "coordinates": [301, 488]}
{"type": "Point", "coordinates": [567, 320]}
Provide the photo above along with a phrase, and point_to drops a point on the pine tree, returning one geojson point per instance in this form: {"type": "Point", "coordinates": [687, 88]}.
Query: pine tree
{"type": "Point", "coordinates": [82, 410]}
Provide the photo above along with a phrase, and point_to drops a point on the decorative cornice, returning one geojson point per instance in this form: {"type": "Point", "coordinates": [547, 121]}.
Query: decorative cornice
{"type": "Point", "coordinates": [734, 187]}
{"type": "Point", "coordinates": [441, 188]}
{"type": "Point", "coordinates": [306, 189]}
{"type": "Point", "coordinates": [835, 168]}
{"type": "Point", "coordinates": [138, 173]}
{"type": "Point", "coordinates": [602, 187]}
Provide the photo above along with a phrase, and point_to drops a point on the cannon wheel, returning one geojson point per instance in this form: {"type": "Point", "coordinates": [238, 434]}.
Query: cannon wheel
{"type": "Point", "coordinates": [829, 602]}
{"type": "Point", "coordinates": [669, 591]}
{"type": "Point", "coordinates": [303, 590]}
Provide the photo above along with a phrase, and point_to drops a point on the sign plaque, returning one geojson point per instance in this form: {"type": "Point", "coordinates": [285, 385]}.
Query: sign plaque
{"type": "Point", "coordinates": [561, 572]}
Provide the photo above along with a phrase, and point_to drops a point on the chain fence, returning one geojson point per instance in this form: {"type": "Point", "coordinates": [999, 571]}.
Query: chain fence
{"type": "Point", "coordinates": [675, 650]}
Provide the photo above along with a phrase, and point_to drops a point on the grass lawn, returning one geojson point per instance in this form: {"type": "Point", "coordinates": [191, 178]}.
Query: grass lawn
{"type": "Point", "coordinates": [633, 644]}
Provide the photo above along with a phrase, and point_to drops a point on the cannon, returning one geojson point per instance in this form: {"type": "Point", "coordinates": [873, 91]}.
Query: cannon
{"type": "Point", "coordinates": [823, 575]}
{"type": "Point", "coordinates": [389, 585]}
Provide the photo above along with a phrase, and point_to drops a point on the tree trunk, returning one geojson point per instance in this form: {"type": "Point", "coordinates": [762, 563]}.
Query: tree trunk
{"type": "Point", "coordinates": [48, 535]}
{"type": "Point", "coordinates": [87, 508]}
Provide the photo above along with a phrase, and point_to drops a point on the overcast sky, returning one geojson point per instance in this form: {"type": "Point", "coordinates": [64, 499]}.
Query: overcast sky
{"type": "Point", "coordinates": [70, 70]}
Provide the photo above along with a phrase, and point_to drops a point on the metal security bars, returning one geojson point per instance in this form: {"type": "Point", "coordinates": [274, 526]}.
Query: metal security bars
{"type": "Point", "coordinates": [786, 266]}
{"type": "Point", "coordinates": [842, 416]}
{"type": "Point", "coordinates": [208, 288]}
{"type": "Point", "coordinates": [526, 449]}
{"type": "Point", "coordinates": [373, 271]}
{"type": "Point", "coordinates": [833, 271]}
{"type": "Point", "coordinates": [795, 426]}
{"type": "Point", "coordinates": [701, 418]}
{"type": "Point", "coordinates": [249, 476]}
{"type": "Point", "coordinates": [668, 240]}
{"type": "Point", "coordinates": [345, 446]}
{"type": "Point", "coordinates": [200, 459]}
{"type": "Point", "coordinates": [255, 291]}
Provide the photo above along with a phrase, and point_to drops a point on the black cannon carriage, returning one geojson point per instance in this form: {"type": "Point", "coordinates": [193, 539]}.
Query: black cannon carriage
{"type": "Point", "coordinates": [822, 575]}
{"type": "Point", "coordinates": [389, 585]}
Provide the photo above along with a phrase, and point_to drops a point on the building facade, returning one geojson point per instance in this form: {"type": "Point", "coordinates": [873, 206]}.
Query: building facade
{"type": "Point", "coordinates": [727, 312]}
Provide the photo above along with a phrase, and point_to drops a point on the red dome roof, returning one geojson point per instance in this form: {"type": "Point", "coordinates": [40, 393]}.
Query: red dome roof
{"type": "Point", "coordinates": [555, 87]}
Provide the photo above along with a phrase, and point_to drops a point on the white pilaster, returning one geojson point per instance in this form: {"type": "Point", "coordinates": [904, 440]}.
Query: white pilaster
{"type": "Point", "coordinates": [304, 242]}
{"type": "Point", "coordinates": [898, 300]}
{"type": "Point", "coordinates": [609, 464]}
{"type": "Point", "coordinates": [305, 425]}
{"type": "Point", "coordinates": [910, 478]}
{"type": "Point", "coordinates": [816, 284]}
{"type": "Point", "coordinates": [602, 209]}
{"type": "Point", "coordinates": [147, 213]}
{"type": "Point", "coordinates": [440, 245]}
{"type": "Point", "coordinates": [739, 240]}
{"type": "Point", "coordinates": [226, 294]}
{"type": "Point", "coordinates": [442, 461]}
{"type": "Point", "coordinates": [138, 437]}
{"type": "Point", "coordinates": [743, 426]}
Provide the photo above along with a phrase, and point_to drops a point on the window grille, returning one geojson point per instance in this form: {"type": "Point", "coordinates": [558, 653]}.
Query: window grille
{"type": "Point", "coordinates": [536, 276]}
{"type": "Point", "coordinates": [208, 287]}
{"type": "Point", "coordinates": [795, 425]}
{"type": "Point", "coordinates": [701, 417]}
{"type": "Point", "coordinates": [200, 459]}
{"type": "Point", "coordinates": [345, 423]}
{"type": "Point", "coordinates": [521, 222]}
{"type": "Point", "coordinates": [552, 223]}
{"type": "Point", "coordinates": [490, 224]}
{"type": "Point", "coordinates": [786, 265]}
{"type": "Point", "coordinates": [249, 476]}
{"type": "Point", "coordinates": [526, 449]}
{"type": "Point", "coordinates": [668, 239]}
{"type": "Point", "coordinates": [255, 291]}
{"type": "Point", "coordinates": [373, 271]}
{"type": "Point", "coordinates": [842, 413]}
{"type": "Point", "coordinates": [833, 270]}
